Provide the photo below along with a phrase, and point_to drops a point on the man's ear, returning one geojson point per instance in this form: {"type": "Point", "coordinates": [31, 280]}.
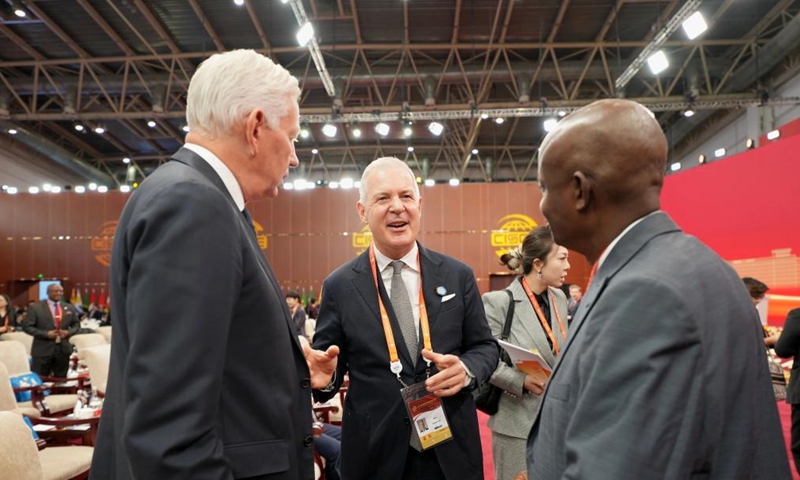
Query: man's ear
{"type": "Point", "coordinates": [583, 193]}
{"type": "Point", "coordinates": [362, 211]}
{"type": "Point", "coordinates": [253, 130]}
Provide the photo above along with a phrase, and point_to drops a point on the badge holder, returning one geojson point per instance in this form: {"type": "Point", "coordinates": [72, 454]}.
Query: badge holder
{"type": "Point", "coordinates": [427, 416]}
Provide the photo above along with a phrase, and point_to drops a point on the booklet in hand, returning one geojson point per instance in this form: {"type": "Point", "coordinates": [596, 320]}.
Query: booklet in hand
{"type": "Point", "coordinates": [527, 361]}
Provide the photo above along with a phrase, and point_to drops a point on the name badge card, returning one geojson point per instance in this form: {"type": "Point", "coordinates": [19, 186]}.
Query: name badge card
{"type": "Point", "coordinates": [427, 415]}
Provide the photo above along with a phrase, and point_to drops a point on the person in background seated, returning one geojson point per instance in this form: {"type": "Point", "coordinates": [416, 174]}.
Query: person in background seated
{"type": "Point", "coordinates": [8, 316]}
{"type": "Point", "coordinates": [329, 446]}
{"type": "Point", "coordinates": [297, 312]}
{"type": "Point", "coordinates": [51, 323]}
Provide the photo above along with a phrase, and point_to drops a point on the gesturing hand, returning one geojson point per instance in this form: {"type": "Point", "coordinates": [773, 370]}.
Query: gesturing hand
{"type": "Point", "coordinates": [451, 376]}
{"type": "Point", "coordinates": [320, 364]}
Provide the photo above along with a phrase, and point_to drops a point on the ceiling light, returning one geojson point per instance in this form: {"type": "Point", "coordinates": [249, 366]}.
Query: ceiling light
{"type": "Point", "coordinates": [241, 2]}
{"type": "Point", "coordinates": [382, 129]}
{"type": "Point", "coordinates": [284, 1]}
{"type": "Point", "coordinates": [126, 160]}
{"type": "Point", "coordinates": [356, 131]}
{"type": "Point", "coordinates": [474, 151]}
{"type": "Point", "coordinates": [80, 189]}
{"type": "Point", "coordinates": [435, 128]}
{"type": "Point", "coordinates": [499, 120]}
{"type": "Point", "coordinates": [55, 189]}
{"type": "Point", "coordinates": [750, 144]}
{"type": "Point", "coordinates": [720, 152]}
{"type": "Point", "coordinates": [12, 190]}
{"type": "Point", "coordinates": [484, 116]}
{"type": "Point", "coordinates": [329, 130]}
{"type": "Point", "coordinates": [550, 124]}
{"type": "Point", "coordinates": [333, 185]}
{"type": "Point", "coordinates": [79, 127]}
{"type": "Point", "coordinates": [346, 183]}
{"type": "Point", "coordinates": [773, 135]}
{"type": "Point", "coordinates": [357, 184]}
{"type": "Point", "coordinates": [124, 188]}
{"type": "Point", "coordinates": [102, 189]}
{"type": "Point", "coordinates": [695, 25]}
{"type": "Point", "coordinates": [5, 187]}
{"type": "Point", "coordinates": [185, 128]}
{"type": "Point", "coordinates": [688, 113]}
{"type": "Point", "coordinates": [675, 166]}
{"type": "Point", "coordinates": [288, 186]}
{"type": "Point", "coordinates": [410, 149]}
{"type": "Point", "coordinates": [12, 131]}
{"type": "Point", "coordinates": [562, 113]}
{"type": "Point", "coordinates": [658, 62]}
{"type": "Point", "coordinates": [430, 182]}
{"type": "Point", "coordinates": [92, 186]}
{"type": "Point", "coordinates": [701, 159]}
{"type": "Point", "coordinates": [407, 132]}
{"type": "Point", "coordinates": [454, 182]}
{"type": "Point", "coordinates": [314, 151]}
{"type": "Point", "coordinates": [34, 190]}
{"type": "Point", "coordinates": [304, 133]}
{"type": "Point", "coordinates": [99, 130]}
{"type": "Point", "coordinates": [151, 123]}
{"type": "Point", "coordinates": [18, 11]}
{"type": "Point", "coordinates": [46, 187]}
{"type": "Point", "coordinates": [305, 34]}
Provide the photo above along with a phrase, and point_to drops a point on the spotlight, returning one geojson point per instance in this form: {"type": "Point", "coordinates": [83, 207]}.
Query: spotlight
{"type": "Point", "coordinates": [454, 182]}
{"type": "Point", "coordinates": [550, 124]}
{"type": "Point", "coordinates": [333, 185]}
{"type": "Point", "coordinates": [241, 2]}
{"type": "Point", "coordinates": [658, 62]}
{"type": "Point", "coordinates": [701, 159]}
{"type": "Point", "coordinates": [314, 151]}
{"type": "Point", "coordinates": [562, 113]}
{"type": "Point", "coordinates": [288, 186]}
{"type": "Point", "coordinates": [499, 120]}
{"type": "Point", "coordinates": [435, 128]}
{"type": "Point", "coordinates": [688, 113]}
{"type": "Point", "coordinates": [773, 135]}
{"type": "Point", "coordinates": [19, 11]}
{"type": "Point", "coordinates": [80, 189]}
{"type": "Point", "coordinates": [695, 25]}
{"type": "Point", "coordinates": [185, 128]}
{"type": "Point", "coordinates": [124, 188]}
{"type": "Point", "coordinates": [410, 149]}
{"type": "Point", "coordinates": [79, 127]}
{"type": "Point", "coordinates": [484, 116]}
{"type": "Point", "coordinates": [407, 131]}
{"type": "Point", "coordinates": [675, 166]}
{"type": "Point", "coordinates": [474, 151]}
{"type": "Point", "coordinates": [356, 130]}
{"type": "Point", "coordinates": [92, 186]}
{"type": "Point", "coordinates": [5, 187]}
{"type": "Point", "coordinates": [346, 183]}
{"type": "Point", "coordinates": [720, 152]}
{"type": "Point", "coordinates": [430, 182]}
{"type": "Point", "coordinates": [151, 123]}
{"type": "Point", "coordinates": [12, 131]}
{"type": "Point", "coordinates": [55, 189]}
{"type": "Point", "coordinates": [12, 190]}
{"type": "Point", "coordinates": [126, 160]}
{"type": "Point", "coordinates": [382, 129]}
{"type": "Point", "coordinates": [305, 34]}
{"type": "Point", "coordinates": [329, 130]}
{"type": "Point", "coordinates": [33, 190]}
{"type": "Point", "coordinates": [750, 144]}
{"type": "Point", "coordinates": [47, 187]}
{"type": "Point", "coordinates": [99, 129]}
{"type": "Point", "coordinates": [102, 189]}
{"type": "Point", "coordinates": [304, 133]}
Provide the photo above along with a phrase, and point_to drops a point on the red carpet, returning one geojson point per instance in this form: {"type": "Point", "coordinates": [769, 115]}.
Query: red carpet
{"type": "Point", "coordinates": [784, 409]}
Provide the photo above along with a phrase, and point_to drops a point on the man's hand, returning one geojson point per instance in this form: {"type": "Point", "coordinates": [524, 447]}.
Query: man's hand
{"type": "Point", "coordinates": [63, 333]}
{"type": "Point", "coordinates": [451, 377]}
{"type": "Point", "coordinates": [52, 334]}
{"type": "Point", "coordinates": [534, 386]}
{"type": "Point", "coordinates": [320, 364]}
{"type": "Point", "coordinates": [523, 475]}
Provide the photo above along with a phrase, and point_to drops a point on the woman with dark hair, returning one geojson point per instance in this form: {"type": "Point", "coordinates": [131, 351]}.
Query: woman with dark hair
{"type": "Point", "coordinates": [8, 316]}
{"type": "Point", "coordinates": [539, 323]}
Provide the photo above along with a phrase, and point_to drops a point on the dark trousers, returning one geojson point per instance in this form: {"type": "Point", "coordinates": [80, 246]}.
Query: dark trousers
{"type": "Point", "coordinates": [422, 466]}
{"type": "Point", "coordinates": [57, 365]}
{"type": "Point", "coordinates": [796, 436]}
{"type": "Point", "coordinates": [329, 445]}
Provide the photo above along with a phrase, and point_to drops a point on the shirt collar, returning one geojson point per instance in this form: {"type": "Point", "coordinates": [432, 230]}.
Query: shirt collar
{"type": "Point", "coordinates": [222, 170]}
{"type": "Point", "coordinates": [410, 259]}
{"type": "Point", "coordinates": [619, 237]}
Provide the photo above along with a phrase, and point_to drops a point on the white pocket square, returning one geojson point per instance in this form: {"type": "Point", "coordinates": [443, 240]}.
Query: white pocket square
{"type": "Point", "coordinates": [448, 297]}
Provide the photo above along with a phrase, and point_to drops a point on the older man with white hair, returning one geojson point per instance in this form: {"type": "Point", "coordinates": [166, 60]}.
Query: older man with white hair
{"type": "Point", "coordinates": [207, 378]}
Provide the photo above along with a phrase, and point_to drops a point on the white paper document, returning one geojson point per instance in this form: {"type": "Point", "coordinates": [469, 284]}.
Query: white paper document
{"type": "Point", "coordinates": [527, 361]}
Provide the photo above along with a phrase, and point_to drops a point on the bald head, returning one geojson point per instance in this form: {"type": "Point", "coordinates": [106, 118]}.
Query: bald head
{"type": "Point", "coordinates": [606, 161]}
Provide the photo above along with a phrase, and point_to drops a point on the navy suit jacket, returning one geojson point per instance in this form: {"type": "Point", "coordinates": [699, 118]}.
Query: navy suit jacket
{"type": "Point", "coordinates": [376, 428]}
{"type": "Point", "coordinates": [207, 378]}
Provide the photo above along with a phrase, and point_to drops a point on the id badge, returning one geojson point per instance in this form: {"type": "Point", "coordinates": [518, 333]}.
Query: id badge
{"type": "Point", "coordinates": [427, 415]}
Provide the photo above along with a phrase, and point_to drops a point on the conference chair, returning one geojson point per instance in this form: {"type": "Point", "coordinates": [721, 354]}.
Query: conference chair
{"type": "Point", "coordinates": [105, 332]}
{"type": "Point", "coordinates": [85, 340]}
{"type": "Point", "coordinates": [21, 337]}
{"type": "Point", "coordinates": [97, 360]}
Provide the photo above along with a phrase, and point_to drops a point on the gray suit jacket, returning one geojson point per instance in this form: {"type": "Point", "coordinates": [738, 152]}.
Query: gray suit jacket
{"type": "Point", "coordinates": [664, 374]}
{"type": "Point", "coordinates": [207, 378]}
{"type": "Point", "coordinates": [518, 407]}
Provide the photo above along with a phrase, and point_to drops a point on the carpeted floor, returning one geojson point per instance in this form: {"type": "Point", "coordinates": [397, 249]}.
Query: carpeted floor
{"type": "Point", "coordinates": [486, 440]}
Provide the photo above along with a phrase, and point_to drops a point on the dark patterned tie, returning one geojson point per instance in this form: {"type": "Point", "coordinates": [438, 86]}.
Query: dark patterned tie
{"type": "Point", "coordinates": [402, 308]}
{"type": "Point", "coordinates": [249, 220]}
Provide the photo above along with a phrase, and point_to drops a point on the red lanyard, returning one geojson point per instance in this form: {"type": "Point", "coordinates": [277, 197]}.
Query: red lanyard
{"type": "Point", "coordinates": [395, 366]}
{"type": "Point", "coordinates": [541, 316]}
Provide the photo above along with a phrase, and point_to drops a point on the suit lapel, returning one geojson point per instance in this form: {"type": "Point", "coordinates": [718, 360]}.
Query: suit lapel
{"type": "Point", "coordinates": [434, 274]}
{"type": "Point", "coordinates": [551, 298]}
{"type": "Point", "coordinates": [525, 315]}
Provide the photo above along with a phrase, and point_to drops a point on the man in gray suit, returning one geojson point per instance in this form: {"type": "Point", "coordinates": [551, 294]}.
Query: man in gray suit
{"type": "Point", "coordinates": [207, 377]}
{"type": "Point", "coordinates": [664, 374]}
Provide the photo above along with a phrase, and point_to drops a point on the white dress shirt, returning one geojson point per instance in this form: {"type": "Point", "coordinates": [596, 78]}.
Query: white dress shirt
{"type": "Point", "coordinates": [619, 237]}
{"type": "Point", "coordinates": [410, 274]}
{"type": "Point", "coordinates": [222, 170]}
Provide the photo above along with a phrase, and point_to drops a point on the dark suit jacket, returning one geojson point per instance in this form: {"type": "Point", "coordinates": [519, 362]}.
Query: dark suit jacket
{"type": "Point", "coordinates": [789, 346]}
{"type": "Point", "coordinates": [207, 378]}
{"type": "Point", "coordinates": [376, 428]}
{"type": "Point", "coordinates": [39, 321]}
{"type": "Point", "coordinates": [664, 374]}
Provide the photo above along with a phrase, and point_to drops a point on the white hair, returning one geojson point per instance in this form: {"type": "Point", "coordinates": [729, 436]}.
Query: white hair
{"type": "Point", "coordinates": [384, 162]}
{"type": "Point", "coordinates": [228, 86]}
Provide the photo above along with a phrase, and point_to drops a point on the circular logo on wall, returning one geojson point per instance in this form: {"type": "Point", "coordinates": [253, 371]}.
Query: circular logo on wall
{"type": "Point", "coordinates": [101, 243]}
{"type": "Point", "coordinates": [362, 240]}
{"type": "Point", "coordinates": [263, 240]}
{"type": "Point", "coordinates": [513, 229]}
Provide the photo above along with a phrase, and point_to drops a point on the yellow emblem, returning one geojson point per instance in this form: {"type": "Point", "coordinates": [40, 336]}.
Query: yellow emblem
{"type": "Point", "coordinates": [513, 229]}
{"type": "Point", "coordinates": [102, 243]}
{"type": "Point", "coordinates": [263, 240]}
{"type": "Point", "coordinates": [362, 240]}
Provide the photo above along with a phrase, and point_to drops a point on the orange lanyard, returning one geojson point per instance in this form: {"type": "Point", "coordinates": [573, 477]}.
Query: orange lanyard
{"type": "Point", "coordinates": [395, 366]}
{"type": "Point", "coordinates": [541, 316]}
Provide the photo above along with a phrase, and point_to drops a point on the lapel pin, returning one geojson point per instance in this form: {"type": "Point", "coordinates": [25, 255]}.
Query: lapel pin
{"type": "Point", "coordinates": [441, 291]}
